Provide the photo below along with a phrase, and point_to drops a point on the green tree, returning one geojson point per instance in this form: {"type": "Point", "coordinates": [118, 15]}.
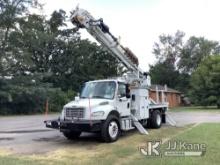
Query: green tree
{"type": "Point", "coordinates": [194, 50]}
{"type": "Point", "coordinates": [205, 82]}
{"type": "Point", "coordinates": [57, 20]}
{"type": "Point", "coordinates": [30, 44]}
{"type": "Point", "coordinates": [28, 95]}
{"type": "Point", "coordinates": [80, 62]}
{"type": "Point", "coordinates": [183, 59]}
{"type": "Point", "coordinates": [43, 59]}
{"type": "Point", "coordinates": [11, 12]}
{"type": "Point", "coordinates": [169, 47]}
{"type": "Point", "coordinates": [64, 59]}
{"type": "Point", "coordinates": [164, 73]}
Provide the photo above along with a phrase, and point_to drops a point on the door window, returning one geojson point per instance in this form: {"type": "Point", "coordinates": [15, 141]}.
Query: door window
{"type": "Point", "coordinates": [121, 90]}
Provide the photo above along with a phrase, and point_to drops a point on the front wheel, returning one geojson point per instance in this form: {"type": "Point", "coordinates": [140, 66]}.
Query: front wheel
{"type": "Point", "coordinates": [110, 129]}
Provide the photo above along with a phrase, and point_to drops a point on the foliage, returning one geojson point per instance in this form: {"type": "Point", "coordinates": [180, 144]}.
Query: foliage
{"type": "Point", "coordinates": [43, 59]}
{"type": "Point", "coordinates": [169, 47]}
{"type": "Point", "coordinates": [194, 50]}
{"type": "Point", "coordinates": [84, 58]}
{"type": "Point", "coordinates": [164, 73]}
{"type": "Point", "coordinates": [58, 98]}
{"type": "Point", "coordinates": [168, 52]}
{"type": "Point", "coordinates": [11, 13]}
{"type": "Point", "coordinates": [24, 95]}
{"type": "Point", "coordinates": [205, 82]}
{"type": "Point", "coordinates": [177, 61]}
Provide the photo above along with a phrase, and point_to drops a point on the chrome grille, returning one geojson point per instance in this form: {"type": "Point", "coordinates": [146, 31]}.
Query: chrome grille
{"type": "Point", "coordinates": [74, 112]}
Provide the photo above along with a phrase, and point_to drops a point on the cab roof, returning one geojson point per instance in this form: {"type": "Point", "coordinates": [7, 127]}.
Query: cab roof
{"type": "Point", "coordinates": [111, 79]}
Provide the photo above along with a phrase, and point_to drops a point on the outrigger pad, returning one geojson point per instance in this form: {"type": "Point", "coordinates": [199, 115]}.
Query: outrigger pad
{"type": "Point", "coordinates": [170, 120]}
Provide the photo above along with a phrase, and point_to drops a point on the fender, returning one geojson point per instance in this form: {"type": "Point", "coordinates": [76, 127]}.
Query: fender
{"type": "Point", "coordinates": [107, 109]}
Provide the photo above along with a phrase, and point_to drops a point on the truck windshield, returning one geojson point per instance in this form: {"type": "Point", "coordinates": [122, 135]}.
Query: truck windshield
{"type": "Point", "coordinates": [102, 90]}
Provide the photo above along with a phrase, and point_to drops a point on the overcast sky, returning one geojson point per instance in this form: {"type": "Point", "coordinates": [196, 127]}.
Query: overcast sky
{"type": "Point", "coordinates": [140, 22]}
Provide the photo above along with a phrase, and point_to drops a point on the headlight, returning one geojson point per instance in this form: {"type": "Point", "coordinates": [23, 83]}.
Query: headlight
{"type": "Point", "coordinates": [98, 114]}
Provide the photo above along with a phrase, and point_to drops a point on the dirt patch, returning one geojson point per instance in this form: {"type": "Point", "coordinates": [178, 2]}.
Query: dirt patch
{"type": "Point", "coordinates": [25, 131]}
{"type": "Point", "coordinates": [6, 138]}
{"type": "Point", "coordinates": [43, 139]}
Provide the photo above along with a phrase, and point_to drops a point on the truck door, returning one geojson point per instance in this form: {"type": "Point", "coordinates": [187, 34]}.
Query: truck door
{"type": "Point", "coordinates": [123, 103]}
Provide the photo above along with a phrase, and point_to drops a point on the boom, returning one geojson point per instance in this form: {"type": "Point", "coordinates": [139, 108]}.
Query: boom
{"type": "Point", "coordinates": [100, 31]}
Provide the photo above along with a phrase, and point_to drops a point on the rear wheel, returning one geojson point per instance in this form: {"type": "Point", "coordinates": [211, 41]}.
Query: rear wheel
{"type": "Point", "coordinates": [110, 129]}
{"type": "Point", "coordinates": [155, 120]}
{"type": "Point", "coordinates": [72, 135]}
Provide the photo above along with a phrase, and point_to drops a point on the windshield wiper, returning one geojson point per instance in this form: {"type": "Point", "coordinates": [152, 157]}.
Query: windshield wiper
{"type": "Point", "coordinates": [98, 97]}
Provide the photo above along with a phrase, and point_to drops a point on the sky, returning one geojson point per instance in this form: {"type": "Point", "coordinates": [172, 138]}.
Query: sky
{"type": "Point", "coordinates": [140, 22]}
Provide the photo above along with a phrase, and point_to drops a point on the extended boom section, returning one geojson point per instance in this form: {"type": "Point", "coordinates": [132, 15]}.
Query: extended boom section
{"type": "Point", "coordinates": [100, 31]}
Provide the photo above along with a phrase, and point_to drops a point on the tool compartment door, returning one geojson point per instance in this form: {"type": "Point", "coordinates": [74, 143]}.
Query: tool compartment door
{"type": "Point", "coordinates": [140, 104]}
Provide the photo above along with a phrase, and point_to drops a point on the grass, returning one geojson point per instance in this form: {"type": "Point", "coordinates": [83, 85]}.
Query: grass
{"type": "Point", "coordinates": [195, 109]}
{"type": "Point", "coordinates": [125, 150]}
{"type": "Point", "coordinates": [93, 152]}
{"type": "Point", "coordinates": [205, 133]}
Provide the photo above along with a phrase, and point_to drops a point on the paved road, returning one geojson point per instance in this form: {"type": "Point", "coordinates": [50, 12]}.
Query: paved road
{"type": "Point", "coordinates": [27, 134]}
{"type": "Point", "coordinates": [184, 118]}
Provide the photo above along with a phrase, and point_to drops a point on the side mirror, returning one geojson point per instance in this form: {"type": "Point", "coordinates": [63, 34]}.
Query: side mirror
{"type": "Point", "coordinates": [128, 96]}
{"type": "Point", "coordinates": [77, 98]}
{"type": "Point", "coordinates": [128, 91]}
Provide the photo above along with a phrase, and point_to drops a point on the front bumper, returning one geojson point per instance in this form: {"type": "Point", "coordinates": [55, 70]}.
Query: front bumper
{"type": "Point", "coordinates": [79, 125]}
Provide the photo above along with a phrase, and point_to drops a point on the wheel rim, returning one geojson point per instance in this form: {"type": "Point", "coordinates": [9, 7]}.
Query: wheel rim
{"type": "Point", "coordinates": [158, 119]}
{"type": "Point", "coordinates": [113, 129]}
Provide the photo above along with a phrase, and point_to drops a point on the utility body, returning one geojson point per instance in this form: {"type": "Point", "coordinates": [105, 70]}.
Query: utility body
{"type": "Point", "coordinates": [112, 105]}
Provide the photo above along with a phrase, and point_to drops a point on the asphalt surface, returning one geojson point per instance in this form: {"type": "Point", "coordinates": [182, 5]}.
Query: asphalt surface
{"type": "Point", "coordinates": [28, 135]}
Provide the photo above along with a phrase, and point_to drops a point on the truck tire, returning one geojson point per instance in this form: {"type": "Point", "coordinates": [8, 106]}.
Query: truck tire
{"type": "Point", "coordinates": [155, 120]}
{"type": "Point", "coordinates": [72, 135]}
{"type": "Point", "coordinates": [110, 130]}
{"type": "Point", "coordinates": [144, 123]}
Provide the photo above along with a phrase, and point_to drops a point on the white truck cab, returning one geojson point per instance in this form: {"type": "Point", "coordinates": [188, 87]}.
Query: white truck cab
{"type": "Point", "coordinates": [97, 99]}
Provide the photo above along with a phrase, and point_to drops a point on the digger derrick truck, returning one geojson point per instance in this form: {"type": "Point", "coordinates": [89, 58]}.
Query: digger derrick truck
{"type": "Point", "coordinates": [112, 105]}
